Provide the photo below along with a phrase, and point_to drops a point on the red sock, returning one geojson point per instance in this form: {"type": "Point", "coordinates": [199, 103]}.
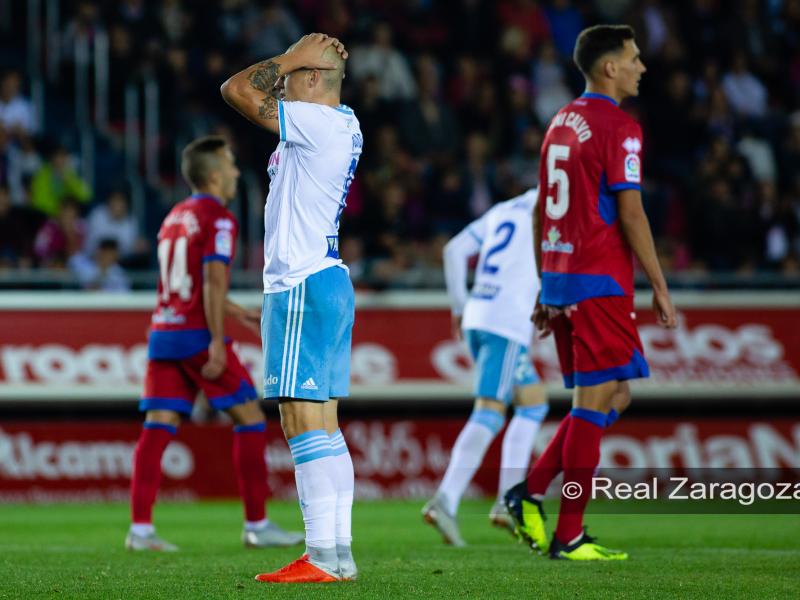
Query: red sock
{"type": "Point", "coordinates": [548, 465]}
{"type": "Point", "coordinates": [580, 457]}
{"type": "Point", "coordinates": [249, 443]}
{"type": "Point", "coordinates": [147, 469]}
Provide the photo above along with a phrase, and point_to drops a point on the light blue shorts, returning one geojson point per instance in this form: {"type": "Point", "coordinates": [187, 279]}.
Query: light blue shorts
{"type": "Point", "coordinates": [500, 365]}
{"type": "Point", "coordinates": [306, 334]}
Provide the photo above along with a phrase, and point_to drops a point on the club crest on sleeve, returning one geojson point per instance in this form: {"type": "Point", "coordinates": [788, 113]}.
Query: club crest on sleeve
{"type": "Point", "coordinates": [224, 224]}
{"type": "Point", "coordinates": [632, 145]}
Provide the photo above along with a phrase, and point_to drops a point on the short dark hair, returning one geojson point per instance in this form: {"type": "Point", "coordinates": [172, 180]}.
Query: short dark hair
{"type": "Point", "coordinates": [199, 157]}
{"type": "Point", "coordinates": [596, 41]}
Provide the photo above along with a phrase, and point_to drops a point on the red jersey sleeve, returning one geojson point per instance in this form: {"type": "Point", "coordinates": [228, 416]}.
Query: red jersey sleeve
{"type": "Point", "coordinates": [624, 158]}
{"type": "Point", "coordinates": [220, 238]}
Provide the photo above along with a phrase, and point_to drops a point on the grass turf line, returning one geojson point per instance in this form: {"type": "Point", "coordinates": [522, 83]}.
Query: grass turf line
{"type": "Point", "coordinates": [72, 551]}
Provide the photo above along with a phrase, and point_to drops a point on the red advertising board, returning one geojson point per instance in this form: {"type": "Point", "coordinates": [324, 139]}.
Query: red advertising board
{"type": "Point", "coordinates": [84, 351]}
{"type": "Point", "coordinates": [392, 458]}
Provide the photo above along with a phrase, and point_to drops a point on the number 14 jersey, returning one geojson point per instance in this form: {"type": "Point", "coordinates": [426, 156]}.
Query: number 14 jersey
{"type": "Point", "coordinates": [197, 230]}
{"type": "Point", "coordinates": [592, 149]}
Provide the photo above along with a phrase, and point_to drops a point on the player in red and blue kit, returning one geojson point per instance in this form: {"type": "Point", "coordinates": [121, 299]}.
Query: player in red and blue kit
{"type": "Point", "coordinates": [588, 225]}
{"type": "Point", "coordinates": [188, 351]}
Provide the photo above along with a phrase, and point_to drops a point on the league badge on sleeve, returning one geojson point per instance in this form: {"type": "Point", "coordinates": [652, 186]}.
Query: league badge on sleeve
{"type": "Point", "coordinates": [223, 243]}
{"type": "Point", "coordinates": [633, 164]}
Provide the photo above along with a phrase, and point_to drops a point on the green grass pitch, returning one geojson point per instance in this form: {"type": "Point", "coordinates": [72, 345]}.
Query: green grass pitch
{"type": "Point", "coordinates": [69, 551]}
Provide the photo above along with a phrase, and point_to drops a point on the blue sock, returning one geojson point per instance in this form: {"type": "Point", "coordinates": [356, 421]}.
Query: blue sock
{"type": "Point", "coordinates": [612, 417]}
{"type": "Point", "coordinates": [595, 417]}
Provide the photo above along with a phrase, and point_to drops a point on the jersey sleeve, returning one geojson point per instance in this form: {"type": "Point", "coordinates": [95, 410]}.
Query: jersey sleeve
{"type": "Point", "coordinates": [624, 158]}
{"type": "Point", "coordinates": [455, 258]}
{"type": "Point", "coordinates": [477, 230]}
{"type": "Point", "coordinates": [304, 124]}
{"type": "Point", "coordinates": [220, 241]}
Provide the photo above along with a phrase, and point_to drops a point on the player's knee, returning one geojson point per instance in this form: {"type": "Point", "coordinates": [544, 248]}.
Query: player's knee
{"type": "Point", "coordinates": [490, 404]}
{"type": "Point", "coordinates": [622, 398]}
{"type": "Point", "coordinates": [300, 416]}
{"type": "Point", "coordinates": [329, 413]}
{"type": "Point", "coordinates": [165, 417]}
{"type": "Point", "coordinates": [248, 413]}
{"type": "Point", "coordinates": [530, 395]}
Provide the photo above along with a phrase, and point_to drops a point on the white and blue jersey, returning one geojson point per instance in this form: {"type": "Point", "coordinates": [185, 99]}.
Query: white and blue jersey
{"type": "Point", "coordinates": [496, 312]}
{"type": "Point", "coordinates": [310, 173]}
{"type": "Point", "coordinates": [308, 311]}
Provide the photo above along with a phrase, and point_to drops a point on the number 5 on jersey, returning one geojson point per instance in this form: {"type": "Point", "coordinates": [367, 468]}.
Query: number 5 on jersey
{"type": "Point", "coordinates": [557, 205]}
{"type": "Point", "coordinates": [174, 274]}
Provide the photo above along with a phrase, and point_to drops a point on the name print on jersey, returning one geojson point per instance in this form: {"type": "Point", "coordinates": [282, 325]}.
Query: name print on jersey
{"type": "Point", "coordinates": [574, 121]}
{"type": "Point", "coordinates": [185, 218]}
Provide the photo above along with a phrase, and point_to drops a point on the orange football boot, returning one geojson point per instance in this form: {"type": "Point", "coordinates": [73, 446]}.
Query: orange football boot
{"type": "Point", "coordinates": [298, 571]}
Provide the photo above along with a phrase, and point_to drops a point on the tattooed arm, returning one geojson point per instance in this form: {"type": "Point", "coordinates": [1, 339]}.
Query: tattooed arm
{"type": "Point", "coordinates": [253, 92]}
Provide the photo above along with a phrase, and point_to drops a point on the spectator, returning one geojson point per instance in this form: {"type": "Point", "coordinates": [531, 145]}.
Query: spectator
{"type": "Point", "coordinates": [527, 16]}
{"type": "Point", "coordinates": [745, 93]}
{"type": "Point", "coordinates": [723, 229]}
{"type": "Point", "coordinates": [759, 156]}
{"type": "Point", "coordinates": [674, 138]}
{"type": "Point", "coordinates": [382, 60]}
{"type": "Point", "coordinates": [16, 112]}
{"type": "Point", "coordinates": [18, 227]}
{"type": "Point", "coordinates": [781, 225]}
{"type": "Point", "coordinates": [55, 181]}
{"type": "Point", "coordinates": [548, 80]}
{"type": "Point", "coordinates": [790, 155]}
{"type": "Point", "coordinates": [479, 175]}
{"type": "Point", "coordinates": [271, 31]}
{"type": "Point", "coordinates": [86, 22]}
{"type": "Point", "coordinates": [565, 22]}
{"type": "Point", "coordinates": [655, 27]}
{"type": "Point", "coordinates": [21, 161]}
{"type": "Point", "coordinates": [104, 272]}
{"type": "Point", "coordinates": [61, 237]}
{"type": "Point", "coordinates": [428, 125]}
{"type": "Point", "coordinates": [491, 74]}
{"type": "Point", "coordinates": [113, 221]}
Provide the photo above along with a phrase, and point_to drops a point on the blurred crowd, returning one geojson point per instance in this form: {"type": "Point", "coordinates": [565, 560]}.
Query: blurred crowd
{"type": "Point", "coordinates": [453, 99]}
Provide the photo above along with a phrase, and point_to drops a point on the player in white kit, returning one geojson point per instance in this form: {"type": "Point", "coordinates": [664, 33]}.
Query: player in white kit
{"type": "Point", "coordinates": [495, 319]}
{"type": "Point", "coordinates": [308, 310]}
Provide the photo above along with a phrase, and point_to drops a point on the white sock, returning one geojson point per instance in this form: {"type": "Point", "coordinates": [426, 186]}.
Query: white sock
{"type": "Point", "coordinates": [142, 529]}
{"type": "Point", "coordinates": [467, 455]}
{"type": "Point", "coordinates": [345, 486]}
{"type": "Point", "coordinates": [256, 525]}
{"type": "Point", "coordinates": [518, 445]}
{"type": "Point", "coordinates": [313, 473]}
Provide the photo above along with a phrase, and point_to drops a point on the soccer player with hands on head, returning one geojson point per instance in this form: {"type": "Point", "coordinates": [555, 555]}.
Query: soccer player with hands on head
{"type": "Point", "coordinates": [189, 352]}
{"type": "Point", "coordinates": [588, 225]}
{"type": "Point", "coordinates": [308, 307]}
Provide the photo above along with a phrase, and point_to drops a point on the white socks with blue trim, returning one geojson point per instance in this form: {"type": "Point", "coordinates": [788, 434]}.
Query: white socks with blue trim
{"type": "Point", "coordinates": [467, 455]}
{"type": "Point", "coordinates": [518, 445]}
{"type": "Point", "coordinates": [316, 489]}
{"type": "Point", "coordinates": [345, 486]}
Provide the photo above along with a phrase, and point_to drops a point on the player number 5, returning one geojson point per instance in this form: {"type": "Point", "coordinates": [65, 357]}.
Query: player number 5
{"type": "Point", "coordinates": [557, 205]}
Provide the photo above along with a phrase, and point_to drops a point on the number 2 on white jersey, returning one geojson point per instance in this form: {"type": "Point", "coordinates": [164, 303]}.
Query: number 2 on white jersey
{"type": "Point", "coordinates": [557, 206]}
{"type": "Point", "coordinates": [174, 277]}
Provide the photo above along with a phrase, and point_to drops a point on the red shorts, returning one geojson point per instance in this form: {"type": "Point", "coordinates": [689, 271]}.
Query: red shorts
{"type": "Point", "coordinates": [173, 384]}
{"type": "Point", "coordinates": [599, 342]}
